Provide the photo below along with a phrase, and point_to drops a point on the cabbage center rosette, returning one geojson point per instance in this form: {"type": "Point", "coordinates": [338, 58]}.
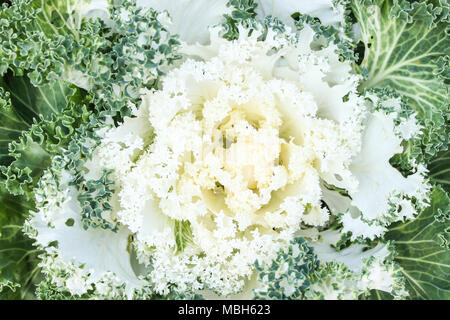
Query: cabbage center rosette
{"type": "Point", "coordinates": [246, 145]}
{"type": "Point", "coordinates": [235, 160]}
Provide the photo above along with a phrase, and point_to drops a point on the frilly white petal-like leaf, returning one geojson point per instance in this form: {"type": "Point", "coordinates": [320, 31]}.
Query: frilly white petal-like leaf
{"type": "Point", "coordinates": [99, 251]}
{"type": "Point", "coordinates": [283, 9]}
{"type": "Point", "coordinates": [96, 9]}
{"type": "Point", "coordinates": [190, 19]}
{"type": "Point", "coordinates": [360, 228]}
{"type": "Point", "coordinates": [378, 180]}
{"type": "Point", "coordinates": [353, 256]}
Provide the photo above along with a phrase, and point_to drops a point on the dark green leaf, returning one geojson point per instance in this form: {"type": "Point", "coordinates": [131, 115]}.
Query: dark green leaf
{"type": "Point", "coordinates": [423, 249]}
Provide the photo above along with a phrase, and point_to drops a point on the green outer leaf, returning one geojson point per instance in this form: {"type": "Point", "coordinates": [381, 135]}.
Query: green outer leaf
{"type": "Point", "coordinates": [59, 17]}
{"type": "Point", "coordinates": [440, 169]}
{"type": "Point", "coordinates": [29, 102]}
{"type": "Point", "coordinates": [423, 252]}
{"type": "Point", "coordinates": [38, 122]}
{"type": "Point", "coordinates": [11, 126]}
{"type": "Point", "coordinates": [377, 295]}
{"type": "Point", "coordinates": [406, 49]}
{"type": "Point", "coordinates": [18, 258]}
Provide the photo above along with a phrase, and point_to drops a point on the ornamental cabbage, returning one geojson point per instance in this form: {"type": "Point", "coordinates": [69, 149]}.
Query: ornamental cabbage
{"type": "Point", "coordinates": [224, 149]}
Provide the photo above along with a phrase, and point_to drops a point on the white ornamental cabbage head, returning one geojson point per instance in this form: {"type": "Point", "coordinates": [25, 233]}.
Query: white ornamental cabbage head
{"type": "Point", "coordinates": [246, 144]}
{"type": "Point", "coordinates": [239, 145]}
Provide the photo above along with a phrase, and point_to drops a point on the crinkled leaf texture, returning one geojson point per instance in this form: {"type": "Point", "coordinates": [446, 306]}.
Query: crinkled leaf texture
{"type": "Point", "coordinates": [38, 115]}
{"type": "Point", "coordinates": [37, 123]}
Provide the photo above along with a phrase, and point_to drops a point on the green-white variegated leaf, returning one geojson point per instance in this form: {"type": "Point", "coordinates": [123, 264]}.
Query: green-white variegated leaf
{"type": "Point", "coordinates": [66, 16]}
{"type": "Point", "coordinates": [423, 249]}
{"type": "Point", "coordinates": [406, 49]}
